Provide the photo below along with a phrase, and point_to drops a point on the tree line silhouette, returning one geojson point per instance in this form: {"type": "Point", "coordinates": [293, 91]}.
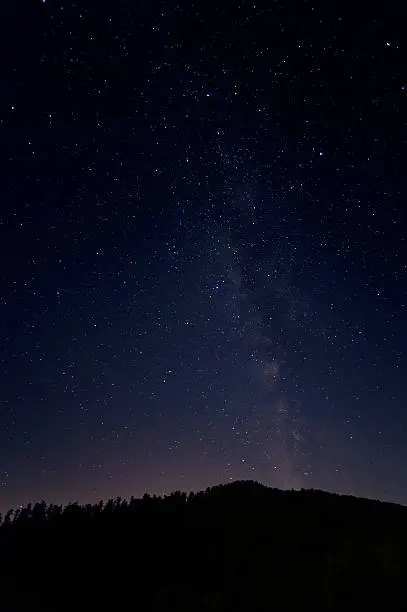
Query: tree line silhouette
{"type": "Point", "coordinates": [241, 546]}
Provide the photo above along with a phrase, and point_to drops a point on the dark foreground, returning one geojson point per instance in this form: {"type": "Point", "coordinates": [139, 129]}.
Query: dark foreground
{"type": "Point", "coordinates": [236, 547]}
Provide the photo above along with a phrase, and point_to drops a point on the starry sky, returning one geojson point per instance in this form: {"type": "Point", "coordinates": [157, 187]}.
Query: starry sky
{"type": "Point", "coordinates": [203, 247]}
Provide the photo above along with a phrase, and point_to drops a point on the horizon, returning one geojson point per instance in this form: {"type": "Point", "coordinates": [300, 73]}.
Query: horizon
{"type": "Point", "coordinates": [164, 494]}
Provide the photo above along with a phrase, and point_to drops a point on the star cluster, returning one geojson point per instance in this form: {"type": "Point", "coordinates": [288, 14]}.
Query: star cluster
{"type": "Point", "coordinates": [203, 247]}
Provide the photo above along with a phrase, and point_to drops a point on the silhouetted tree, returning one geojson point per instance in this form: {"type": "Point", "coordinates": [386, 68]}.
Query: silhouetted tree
{"type": "Point", "coordinates": [230, 547]}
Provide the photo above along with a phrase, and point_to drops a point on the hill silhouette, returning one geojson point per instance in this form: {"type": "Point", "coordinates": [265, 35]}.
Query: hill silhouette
{"type": "Point", "coordinates": [241, 546]}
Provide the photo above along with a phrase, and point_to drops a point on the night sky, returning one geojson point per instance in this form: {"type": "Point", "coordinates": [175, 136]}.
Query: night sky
{"type": "Point", "coordinates": [203, 247]}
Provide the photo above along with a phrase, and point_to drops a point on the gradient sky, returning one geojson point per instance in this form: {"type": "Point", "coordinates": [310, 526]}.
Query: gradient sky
{"type": "Point", "coordinates": [203, 248]}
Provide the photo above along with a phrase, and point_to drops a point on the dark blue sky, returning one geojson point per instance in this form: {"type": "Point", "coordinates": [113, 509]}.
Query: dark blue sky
{"type": "Point", "coordinates": [203, 248]}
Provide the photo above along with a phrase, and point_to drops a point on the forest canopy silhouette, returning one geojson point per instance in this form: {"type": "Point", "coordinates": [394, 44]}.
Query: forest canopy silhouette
{"type": "Point", "coordinates": [230, 547]}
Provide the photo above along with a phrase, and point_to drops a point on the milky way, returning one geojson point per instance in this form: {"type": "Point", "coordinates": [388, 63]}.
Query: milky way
{"type": "Point", "coordinates": [203, 247]}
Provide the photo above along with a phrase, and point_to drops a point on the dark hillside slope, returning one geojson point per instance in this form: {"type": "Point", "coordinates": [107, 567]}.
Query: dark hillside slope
{"type": "Point", "coordinates": [231, 547]}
